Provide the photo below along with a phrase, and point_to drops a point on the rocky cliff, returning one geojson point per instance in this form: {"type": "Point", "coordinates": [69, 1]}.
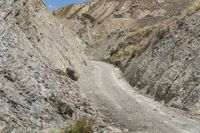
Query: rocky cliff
{"type": "Point", "coordinates": [54, 41]}
{"type": "Point", "coordinates": [155, 43]}
{"type": "Point", "coordinates": [35, 51]}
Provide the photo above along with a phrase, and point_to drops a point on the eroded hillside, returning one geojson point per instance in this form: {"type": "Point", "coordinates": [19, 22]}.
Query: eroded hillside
{"type": "Point", "coordinates": [40, 61]}
{"type": "Point", "coordinates": [45, 73]}
{"type": "Point", "coordinates": [155, 43]}
{"type": "Point", "coordinates": [99, 18]}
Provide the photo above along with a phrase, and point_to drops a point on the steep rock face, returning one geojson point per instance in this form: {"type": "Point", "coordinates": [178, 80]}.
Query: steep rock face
{"type": "Point", "coordinates": [32, 94]}
{"type": "Point", "coordinates": [54, 41]}
{"type": "Point", "coordinates": [161, 60]}
{"type": "Point", "coordinates": [33, 45]}
{"type": "Point", "coordinates": [169, 69]}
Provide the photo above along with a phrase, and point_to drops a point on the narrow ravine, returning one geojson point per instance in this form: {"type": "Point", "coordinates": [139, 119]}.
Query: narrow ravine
{"type": "Point", "coordinates": [120, 102]}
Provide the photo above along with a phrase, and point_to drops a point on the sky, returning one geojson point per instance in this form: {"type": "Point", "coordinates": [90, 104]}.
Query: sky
{"type": "Point", "coordinates": [55, 4]}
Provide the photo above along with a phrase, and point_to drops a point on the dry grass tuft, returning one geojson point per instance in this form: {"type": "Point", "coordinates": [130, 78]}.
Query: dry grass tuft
{"type": "Point", "coordinates": [142, 38]}
{"type": "Point", "coordinates": [191, 9]}
{"type": "Point", "coordinates": [68, 73]}
{"type": "Point", "coordinates": [83, 125]}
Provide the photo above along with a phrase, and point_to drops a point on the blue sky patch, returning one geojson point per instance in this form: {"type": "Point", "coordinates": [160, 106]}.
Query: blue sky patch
{"type": "Point", "coordinates": [55, 4]}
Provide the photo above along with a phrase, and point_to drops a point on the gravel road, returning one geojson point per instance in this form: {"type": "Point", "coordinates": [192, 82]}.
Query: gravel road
{"type": "Point", "coordinates": [121, 103]}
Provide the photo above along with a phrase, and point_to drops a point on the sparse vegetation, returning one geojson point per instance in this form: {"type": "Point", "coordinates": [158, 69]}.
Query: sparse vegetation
{"type": "Point", "coordinates": [83, 125]}
{"type": "Point", "coordinates": [143, 37]}
{"type": "Point", "coordinates": [191, 9]}
{"type": "Point", "coordinates": [68, 73]}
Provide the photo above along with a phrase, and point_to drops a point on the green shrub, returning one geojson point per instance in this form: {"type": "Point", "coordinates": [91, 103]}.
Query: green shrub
{"type": "Point", "coordinates": [72, 74]}
{"type": "Point", "coordinates": [68, 73]}
{"type": "Point", "coordinates": [83, 125]}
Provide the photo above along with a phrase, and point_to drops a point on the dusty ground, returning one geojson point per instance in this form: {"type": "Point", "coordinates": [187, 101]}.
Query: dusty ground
{"type": "Point", "coordinates": [119, 101]}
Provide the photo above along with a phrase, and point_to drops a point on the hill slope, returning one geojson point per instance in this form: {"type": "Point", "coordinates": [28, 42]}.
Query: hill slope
{"type": "Point", "coordinates": [99, 18]}
{"type": "Point", "coordinates": [155, 43]}
{"type": "Point", "coordinates": [35, 51]}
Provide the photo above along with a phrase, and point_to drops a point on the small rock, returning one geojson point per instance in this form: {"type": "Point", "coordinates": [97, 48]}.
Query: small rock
{"type": "Point", "coordinates": [111, 130]}
{"type": "Point", "coordinates": [66, 109]}
{"type": "Point", "coordinates": [125, 130]}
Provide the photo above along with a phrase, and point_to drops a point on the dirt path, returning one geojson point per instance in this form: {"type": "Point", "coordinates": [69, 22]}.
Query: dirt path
{"type": "Point", "coordinates": [122, 104]}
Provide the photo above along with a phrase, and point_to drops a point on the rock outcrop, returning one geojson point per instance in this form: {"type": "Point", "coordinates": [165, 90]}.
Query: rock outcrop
{"type": "Point", "coordinates": [55, 42]}
{"type": "Point", "coordinates": [33, 45]}
{"type": "Point", "coordinates": [168, 69]}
